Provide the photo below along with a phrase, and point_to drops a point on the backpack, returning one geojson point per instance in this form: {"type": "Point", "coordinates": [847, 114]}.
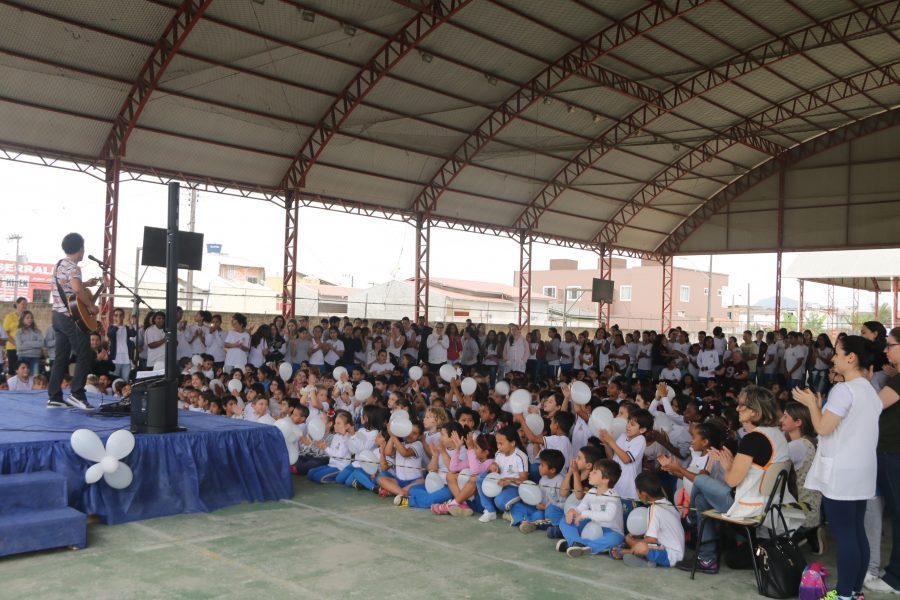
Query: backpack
{"type": "Point", "coordinates": [812, 582]}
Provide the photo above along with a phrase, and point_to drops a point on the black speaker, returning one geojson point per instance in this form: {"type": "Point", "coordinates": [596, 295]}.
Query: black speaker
{"type": "Point", "coordinates": [190, 249]}
{"type": "Point", "coordinates": [602, 291]}
{"type": "Point", "coordinates": [154, 406]}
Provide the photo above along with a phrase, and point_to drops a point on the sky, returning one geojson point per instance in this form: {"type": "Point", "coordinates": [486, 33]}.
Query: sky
{"type": "Point", "coordinates": [43, 204]}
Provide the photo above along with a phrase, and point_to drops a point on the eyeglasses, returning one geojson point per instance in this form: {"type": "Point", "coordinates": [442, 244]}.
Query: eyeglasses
{"type": "Point", "coordinates": [891, 345]}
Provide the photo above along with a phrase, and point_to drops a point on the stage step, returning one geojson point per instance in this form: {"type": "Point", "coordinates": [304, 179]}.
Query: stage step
{"type": "Point", "coordinates": [37, 490]}
{"type": "Point", "coordinates": [30, 530]}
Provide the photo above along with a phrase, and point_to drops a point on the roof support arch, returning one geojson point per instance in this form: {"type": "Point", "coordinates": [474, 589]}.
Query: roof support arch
{"type": "Point", "coordinates": [777, 49]}
{"type": "Point", "coordinates": [774, 115]}
{"type": "Point", "coordinates": [388, 55]}
{"type": "Point", "coordinates": [818, 144]}
{"type": "Point", "coordinates": [634, 25]}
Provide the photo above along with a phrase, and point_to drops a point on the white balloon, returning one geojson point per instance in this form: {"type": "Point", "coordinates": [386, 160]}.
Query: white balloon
{"type": "Point", "coordinates": [433, 482]}
{"type": "Point", "coordinates": [364, 391]}
{"type": "Point", "coordinates": [490, 485]}
{"type": "Point", "coordinates": [401, 427]}
{"type": "Point", "coordinates": [415, 373]}
{"type": "Point", "coordinates": [120, 444]}
{"type": "Point", "coordinates": [603, 418]}
{"type": "Point", "coordinates": [535, 423]}
{"type": "Point", "coordinates": [662, 422]}
{"type": "Point", "coordinates": [638, 521]}
{"type": "Point", "coordinates": [235, 385]}
{"type": "Point", "coordinates": [502, 388]}
{"type": "Point", "coordinates": [120, 478]}
{"type": "Point", "coordinates": [447, 372]}
{"type": "Point", "coordinates": [290, 438]}
{"type": "Point", "coordinates": [338, 372]}
{"type": "Point", "coordinates": [87, 445]}
{"type": "Point", "coordinates": [357, 443]}
{"type": "Point", "coordinates": [520, 401]}
{"type": "Point", "coordinates": [109, 464]}
{"type": "Point", "coordinates": [468, 386]}
{"type": "Point", "coordinates": [286, 370]}
{"type": "Point", "coordinates": [399, 415]}
{"type": "Point", "coordinates": [316, 429]}
{"type": "Point", "coordinates": [592, 531]}
{"type": "Point", "coordinates": [93, 474]}
{"type": "Point", "coordinates": [196, 360]}
{"type": "Point", "coordinates": [463, 478]}
{"type": "Point", "coordinates": [617, 427]}
{"type": "Point", "coordinates": [368, 461]}
{"type": "Point", "coordinates": [580, 392]}
{"type": "Point", "coordinates": [530, 493]}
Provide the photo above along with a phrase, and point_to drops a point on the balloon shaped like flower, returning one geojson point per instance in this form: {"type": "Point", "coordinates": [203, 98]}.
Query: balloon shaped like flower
{"type": "Point", "coordinates": [108, 465]}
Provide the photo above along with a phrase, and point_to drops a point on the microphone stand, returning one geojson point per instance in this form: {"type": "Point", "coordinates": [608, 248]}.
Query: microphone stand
{"type": "Point", "coordinates": [134, 295]}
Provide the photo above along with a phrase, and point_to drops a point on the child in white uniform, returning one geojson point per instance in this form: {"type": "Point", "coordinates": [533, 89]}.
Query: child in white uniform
{"type": "Point", "coordinates": [600, 505]}
{"type": "Point", "coordinates": [338, 450]}
{"type": "Point", "coordinates": [628, 451]}
{"type": "Point", "coordinates": [529, 518]}
{"type": "Point", "coordinates": [663, 543]}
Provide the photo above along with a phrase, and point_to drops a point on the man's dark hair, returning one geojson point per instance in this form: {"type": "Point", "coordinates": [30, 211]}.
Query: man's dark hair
{"type": "Point", "coordinates": [72, 243]}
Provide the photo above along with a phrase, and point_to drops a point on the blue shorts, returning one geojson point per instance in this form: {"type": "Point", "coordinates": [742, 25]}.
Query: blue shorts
{"type": "Point", "coordinates": [658, 556]}
{"type": "Point", "coordinates": [399, 481]}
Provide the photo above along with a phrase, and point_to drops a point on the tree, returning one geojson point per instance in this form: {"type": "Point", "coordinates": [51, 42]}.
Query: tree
{"type": "Point", "coordinates": [789, 321]}
{"type": "Point", "coordinates": [815, 322]}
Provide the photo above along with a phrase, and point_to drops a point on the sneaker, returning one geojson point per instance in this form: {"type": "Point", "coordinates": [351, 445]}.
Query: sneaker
{"type": "Point", "coordinates": [710, 567]}
{"type": "Point", "coordinates": [510, 503]}
{"type": "Point", "coordinates": [877, 584]}
{"type": "Point", "coordinates": [383, 493]}
{"type": "Point", "coordinates": [562, 546]}
{"type": "Point", "coordinates": [78, 403]}
{"type": "Point", "coordinates": [441, 509]}
{"type": "Point", "coordinates": [527, 527]}
{"type": "Point", "coordinates": [577, 550]}
{"type": "Point", "coordinates": [460, 510]}
{"type": "Point", "coordinates": [56, 404]}
{"type": "Point", "coordinates": [401, 501]}
{"type": "Point", "coordinates": [487, 517]}
{"type": "Point", "coordinates": [507, 516]}
{"type": "Point", "coordinates": [355, 485]}
{"type": "Point", "coordinates": [554, 533]}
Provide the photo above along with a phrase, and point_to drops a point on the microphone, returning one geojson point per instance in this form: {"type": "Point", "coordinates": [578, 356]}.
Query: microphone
{"type": "Point", "coordinates": [97, 260]}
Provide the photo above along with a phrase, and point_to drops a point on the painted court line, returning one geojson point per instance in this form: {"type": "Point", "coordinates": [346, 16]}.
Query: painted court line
{"type": "Point", "coordinates": [468, 551]}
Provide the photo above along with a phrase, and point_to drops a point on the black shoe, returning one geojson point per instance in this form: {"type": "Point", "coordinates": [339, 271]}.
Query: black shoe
{"type": "Point", "coordinates": [710, 567]}
{"type": "Point", "coordinates": [78, 403]}
{"type": "Point", "coordinates": [562, 546]}
{"type": "Point", "coordinates": [56, 404]}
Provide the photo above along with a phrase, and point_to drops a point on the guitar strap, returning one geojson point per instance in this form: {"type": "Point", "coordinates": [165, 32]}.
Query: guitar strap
{"type": "Point", "coordinates": [62, 295]}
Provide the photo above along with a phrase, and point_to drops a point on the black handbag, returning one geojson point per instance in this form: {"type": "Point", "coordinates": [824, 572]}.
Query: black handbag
{"type": "Point", "coordinates": [780, 565]}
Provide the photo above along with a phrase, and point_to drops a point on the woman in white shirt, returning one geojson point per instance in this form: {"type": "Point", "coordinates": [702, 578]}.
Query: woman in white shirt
{"type": "Point", "coordinates": [845, 466]}
{"type": "Point", "coordinates": [237, 344]}
{"type": "Point", "coordinates": [316, 353]}
{"type": "Point", "coordinates": [259, 346]}
{"type": "Point", "coordinates": [437, 343]}
{"type": "Point", "coordinates": [707, 360]}
{"type": "Point", "coordinates": [215, 340]}
{"type": "Point", "coordinates": [824, 350]}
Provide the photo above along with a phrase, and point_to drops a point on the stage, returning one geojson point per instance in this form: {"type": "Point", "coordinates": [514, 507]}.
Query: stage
{"type": "Point", "coordinates": [217, 462]}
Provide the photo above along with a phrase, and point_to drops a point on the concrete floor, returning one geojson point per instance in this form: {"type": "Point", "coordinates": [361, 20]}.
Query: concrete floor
{"type": "Point", "coordinates": [331, 542]}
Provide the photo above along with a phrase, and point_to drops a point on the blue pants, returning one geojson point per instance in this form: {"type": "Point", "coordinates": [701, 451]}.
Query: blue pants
{"type": "Point", "coordinates": [534, 472]}
{"type": "Point", "coordinates": [845, 520]}
{"type": "Point", "coordinates": [889, 483]}
{"type": "Point", "coordinates": [121, 371]}
{"type": "Point", "coordinates": [498, 503]}
{"type": "Point", "coordinates": [658, 556]}
{"type": "Point", "coordinates": [523, 512]}
{"type": "Point", "coordinates": [305, 464]}
{"type": "Point", "coordinates": [555, 514]}
{"type": "Point", "coordinates": [608, 540]}
{"type": "Point", "coordinates": [709, 493]}
{"type": "Point", "coordinates": [343, 477]}
{"type": "Point", "coordinates": [363, 478]}
{"type": "Point", "coordinates": [320, 474]}
{"type": "Point", "coordinates": [34, 364]}
{"type": "Point", "coordinates": [420, 498]}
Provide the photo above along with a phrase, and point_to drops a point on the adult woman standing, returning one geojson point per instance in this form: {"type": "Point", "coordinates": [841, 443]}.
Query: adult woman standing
{"type": "Point", "coordinates": [889, 463]}
{"type": "Point", "coordinates": [761, 447]}
{"type": "Point", "coordinates": [845, 465]}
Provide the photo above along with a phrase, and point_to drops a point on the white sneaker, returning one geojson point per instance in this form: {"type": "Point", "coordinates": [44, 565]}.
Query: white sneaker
{"type": "Point", "coordinates": [487, 517]}
{"type": "Point", "coordinates": [877, 584]}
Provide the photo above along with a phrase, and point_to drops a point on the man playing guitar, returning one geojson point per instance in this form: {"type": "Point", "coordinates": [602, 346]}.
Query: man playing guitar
{"type": "Point", "coordinates": [69, 338]}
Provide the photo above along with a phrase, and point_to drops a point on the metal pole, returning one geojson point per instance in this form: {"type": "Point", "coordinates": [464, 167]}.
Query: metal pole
{"type": "Point", "coordinates": [709, 294]}
{"type": "Point", "coordinates": [16, 237]}
{"type": "Point", "coordinates": [137, 284]}
{"type": "Point", "coordinates": [748, 306]}
{"type": "Point", "coordinates": [190, 273]}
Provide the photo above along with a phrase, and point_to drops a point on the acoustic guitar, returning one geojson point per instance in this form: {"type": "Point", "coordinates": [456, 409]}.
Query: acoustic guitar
{"type": "Point", "coordinates": [80, 313]}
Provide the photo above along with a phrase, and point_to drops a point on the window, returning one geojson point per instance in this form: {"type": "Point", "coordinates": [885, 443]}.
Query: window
{"type": "Point", "coordinates": [549, 290]}
{"type": "Point", "coordinates": [573, 293]}
{"type": "Point", "coordinates": [251, 279]}
{"type": "Point", "coordinates": [684, 293]}
{"type": "Point", "coordinates": [719, 292]}
{"type": "Point", "coordinates": [624, 293]}
{"type": "Point", "coordinates": [681, 314]}
{"type": "Point", "coordinates": [40, 296]}
{"type": "Point", "coordinates": [706, 291]}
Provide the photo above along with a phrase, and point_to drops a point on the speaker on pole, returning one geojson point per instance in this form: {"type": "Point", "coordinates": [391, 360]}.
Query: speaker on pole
{"type": "Point", "coordinates": [602, 291]}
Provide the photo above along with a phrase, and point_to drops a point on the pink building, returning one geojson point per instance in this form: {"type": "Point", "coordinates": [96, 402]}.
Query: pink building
{"type": "Point", "coordinates": [637, 299]}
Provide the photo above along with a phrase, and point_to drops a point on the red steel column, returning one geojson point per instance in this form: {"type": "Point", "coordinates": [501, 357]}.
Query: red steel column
{"type": "Point", "coordinates": [289, 287]}
{"type": "Point", "coordinates": [423, 255]}
{"type": "Point", "coordinates": [110, 237]}
{"type": "Point", "coordinates": [604, 308]}
{"type": "Point", "coordinates": [668, 276]}
{"type": "Point", "coordinates": [800, 311]}
{"type": "Point", "coordinates": [780, 246]}
{"type": "Point", "coordinates": [895, 289]}
{"type": "Point", "coordinates": [877, 308]}
{"type": "Point", "coordinates": [524, 281]}
{"type": "Point", "coordinates": [832, 313]}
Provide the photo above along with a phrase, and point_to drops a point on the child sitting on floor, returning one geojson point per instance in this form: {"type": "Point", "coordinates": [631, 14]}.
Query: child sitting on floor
{"type": "Point", "coordinates": [529, 518]}
{"type": "Point", "coordinates": [407, 457]}
{"type": "Point", "coordinates": [628, 451]}
{"type": "Point", "coordinates": [419, 496]}
{"type": "Point", "coordinates": [337, 450]}
{"type": "Point", "coordinates": [663, 543]}
{"type": "Point", "coordinates": [601, 505]}
{"type": "Point", "coordinates": [511, 463]}
{"type": "Point", "coordinates": [574, 482]}
{"type": "Point", "coordinates": [479, 456]}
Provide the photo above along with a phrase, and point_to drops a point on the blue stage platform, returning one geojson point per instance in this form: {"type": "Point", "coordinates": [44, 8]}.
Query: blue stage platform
{"type": "Point", "coordinates": [217, 462]}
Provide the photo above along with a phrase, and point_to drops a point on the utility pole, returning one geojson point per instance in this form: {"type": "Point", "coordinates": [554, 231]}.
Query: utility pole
{"type": "Point", "coordinates": [709, 295]}
{"type": "Point", "coordinates": [190, 273]}
{"type": "Point", "coordinates": [16, 238]}
{"type": "Point", "coordinates": [748, 306]}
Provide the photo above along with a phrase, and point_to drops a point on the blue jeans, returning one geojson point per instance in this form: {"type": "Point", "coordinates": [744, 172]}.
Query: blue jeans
{"type": "Point", "coordinates": [523, 512]}
{"type": "Point", "coordinates": [498, 503]}
{"type": "Point", "coordinates": [363, 478]}
{"type": "Point", "coordinates": [608, 540]}
{"type": "Point", "coordinates": [889, 483]}
{"type": "Point", "coordinates": [555, 514]}
{"type": "Point", "coordinates": [305, 464]}
{"type": "Point", "coordinates": [845, 520]}
{"type": "Point", "coordinates": [343, 477]}
{"type": "Point", "coordinates": [121, 372]}
{"type": "Point", "coordinates": [34, 363]}
{"type": "Point", "coordinates": [420, 498]}
{"type": "Point", "coordinates": [709, 493]}
{"type": "Point", "coordinates": [323, 473]}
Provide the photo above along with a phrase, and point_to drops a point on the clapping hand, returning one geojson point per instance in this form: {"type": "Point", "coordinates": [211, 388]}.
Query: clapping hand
{"type": "Point", "coordinates": [807, 398]}
{"type": "Point", "coordinates": [724, 457]}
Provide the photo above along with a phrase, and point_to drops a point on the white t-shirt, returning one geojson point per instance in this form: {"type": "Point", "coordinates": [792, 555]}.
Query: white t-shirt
{"type": "Point", "coordinates": [563, 444]}
{"type": "Point", "coordinates": [338, 451]}
{"type": "Point", "coordinates": [604, 509]}
{"type": "Point", "coordinates": [645, 363]}
{"type": "Point", "coordinates": [550, 490]}
{"type": "Point", "coordinates": [821, 353]}
{"type": "Point", "coordinates": [845, 465]}
{"type": "Point", "coordinates": [720, 344]}
{"type": "Point", "coordinates": [665, 526]}
{"type": "Point", "coordinates": [257, 355]}
{"type": "Point", "coordinates": [378, 368]}
{"type": "Point", "coordinates": [184, 348]}
{"type": "Point", "coordinates": [791, 356]}
{"type": "Point", "coordinates": [708, 362]}
{"type": "Point", "coordinates": [580, 433]}
{"type": "Point", "coordinates": [566, 353]}
{"type": "Point", "coordinates": [671, 374]}
{"type": "Point", "coordinates": [214, 345]}
{"type": "Point", "coordinates": [512, 465]}
{"type": "Point", "coordinates": [198, 346]}
{"type": "Point", "coordinates": [336, 346]}
{"type": "Point", "coordinates": [17, 385]}
{"type": "Point", "coordinates": [635, 449]}
{"type": "Point", "coordinates": [236, 357]}
{"type": "Point", "coordinates": [409, 468]}
{"type": "Point", "coordinates": [122, 357]}
{"type": "Point", "coordinates": [158, 354]}
{"type": "Point", "coordinates": [437, 348]}
{"type": "Point", "coordinates": [316, 357]}
{"type": "Point", "coordinates": [772, 359]}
